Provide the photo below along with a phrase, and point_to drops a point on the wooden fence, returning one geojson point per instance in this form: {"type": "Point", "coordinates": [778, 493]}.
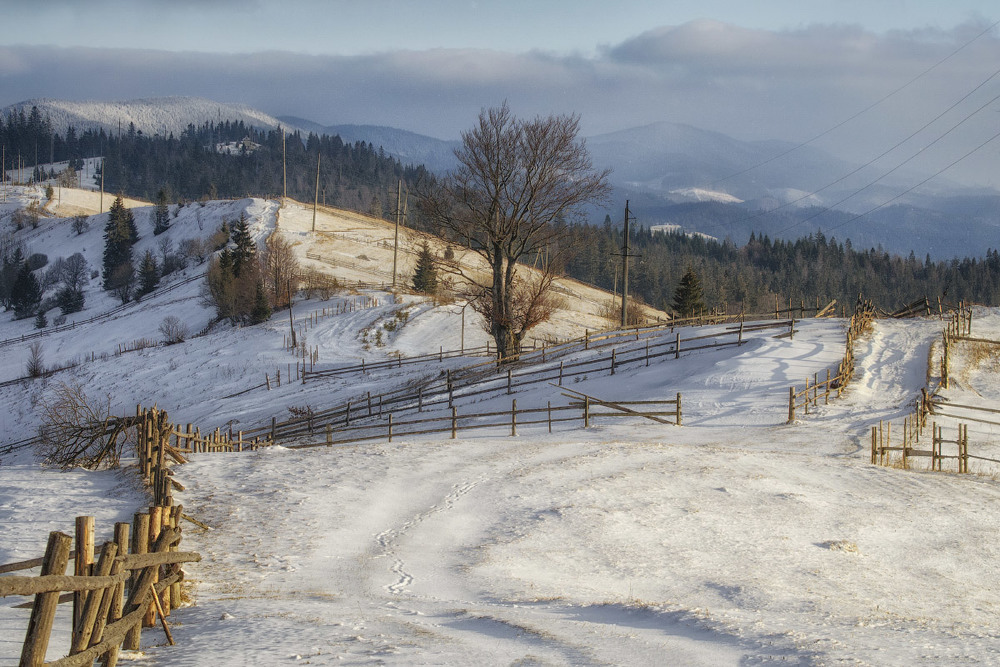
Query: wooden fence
{"type": "Point", "coordinates": [135, 580]}
{"type": "Point", "coordinates": [909, 446]}
{"type": "Point", "coordinates": [482, 379]}
{"type": "Point", "coordinates": [861, 322]}
{"type": "Point", "coordinates": [580, 411]}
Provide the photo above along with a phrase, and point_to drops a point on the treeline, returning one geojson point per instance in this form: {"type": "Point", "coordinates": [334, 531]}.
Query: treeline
{"type": "Point", "coordinates": [755, 274]}
{"type": "Point", "coordinates": [192, 166]}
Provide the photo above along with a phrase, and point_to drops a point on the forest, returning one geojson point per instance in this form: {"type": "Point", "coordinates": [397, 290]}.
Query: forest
{"type": "Point", "coordinates": [363, 178]}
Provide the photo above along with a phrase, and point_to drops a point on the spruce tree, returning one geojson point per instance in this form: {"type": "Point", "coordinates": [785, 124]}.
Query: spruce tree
{"type": "Point", "coordinates": [25, 294]}
{"type": "Point", "coordinates": [149, 273]}
{"type": "Point", "coordinates": [40, 320]}
{"type": "Point", "coordinates": [161, 216]}
{"type": "Point", "coordinates": [120, 234]}
{"type": "Point", "coordinates": [261, 308]}
{"type": "Point", "coordinates": [246, 248]}
{"type": "Point", "coordinates": [425, 276]}
{"type": "Point", "coordinates": [688, 300]}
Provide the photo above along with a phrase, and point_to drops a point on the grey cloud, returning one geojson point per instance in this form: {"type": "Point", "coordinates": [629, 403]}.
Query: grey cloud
{"type": "Point", "coordinates": [750, 84]}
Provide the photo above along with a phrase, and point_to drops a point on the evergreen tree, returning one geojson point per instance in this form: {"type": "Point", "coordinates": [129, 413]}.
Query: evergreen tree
{"type": "Point", "coordinates": [149, 273]}
{"type": "Point", "coordinates": [25, 294]}
{"type": "Point", "coordinates": [261, 308]}
{"type": "Point", "coordinates": [120, 234]}
{"type": "Point", "coordinates": [161, 216]}
{"type": "Point", "coordinates": [425, 276]}
{"type": "Point", "coordinates": [40, 321]}
{"type": "Point", "coordinates": [688, 300]}
{"type": "Point", "coordinates": [246, 248]}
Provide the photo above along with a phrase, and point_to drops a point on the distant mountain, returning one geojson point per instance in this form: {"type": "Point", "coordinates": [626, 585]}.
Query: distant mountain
{"type": "Point", "coordinates": [155, 115]}
{"type": "Point", "coordinates": [408, 147]}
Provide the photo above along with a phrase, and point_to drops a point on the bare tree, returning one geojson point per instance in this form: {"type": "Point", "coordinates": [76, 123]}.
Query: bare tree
{"type": "Point", "coordinates": [280, 267]}
{"type": "Point", "coordinates": [518, 184]}
{"type": "Point", "coordinates": [79, 431]}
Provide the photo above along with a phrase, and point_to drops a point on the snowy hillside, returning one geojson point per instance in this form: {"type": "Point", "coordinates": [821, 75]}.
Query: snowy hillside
{"type": "Point", "coordinates": [155, 115]}
{"type": "Point", "coordinates": [735, 539]}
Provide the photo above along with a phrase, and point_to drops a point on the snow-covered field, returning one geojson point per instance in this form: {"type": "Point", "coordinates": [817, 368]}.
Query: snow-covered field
{"type": "Point", "coordinates": [735, 539]}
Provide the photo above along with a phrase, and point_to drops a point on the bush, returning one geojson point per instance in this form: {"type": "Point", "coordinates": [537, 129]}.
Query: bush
{"type": "Point", "coordinates": [80, 224]}
{"type": "Point", "coordinates": [174, 330]}
{"type": "Point", "coordinates": [36, 365]}
{"type": "Point", "coordinates": [37, 260]}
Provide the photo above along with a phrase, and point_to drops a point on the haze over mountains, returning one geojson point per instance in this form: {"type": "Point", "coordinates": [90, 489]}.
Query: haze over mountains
{"type": "Point", "coordinates": [671, 173]}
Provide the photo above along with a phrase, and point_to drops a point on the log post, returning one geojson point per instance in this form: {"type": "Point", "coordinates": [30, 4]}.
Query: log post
{"type": "Point", "coordinates": [677, 346]}
{"type": "Point", "coordinates": [508, 382]}
{"type": "Point", "coordinates": [95, 601]}
{"type": "Point", "coordinates": [513, 418]}
{"type": "Point", "coordinates": [613, 360]}
{"type": "Point", "coordinates": [43, 612]}
{"type": "Point", "coordinates": [679, 423]}
{"type": "Point", "coordinates": [140, 545]}
{"type": "Point", "coordinates": [791, 404]}
{"type": "Point", "coordinates": [155, 527]}
{"type": "Point", "coordinates": [454, 422]}
{"type": "Point", "coordinates": [82, 564]}
{"type": "Point", "coordinates": [550, 415]}
{"type": "Point", "coordinates": [586, 411]}
{"type": "Point", "coordinates": [390, 427]}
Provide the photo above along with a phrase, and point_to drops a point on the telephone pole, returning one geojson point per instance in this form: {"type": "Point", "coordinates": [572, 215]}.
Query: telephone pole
{"type": "Point", "coordinates": [316, 198]}
{"type": "Point", "coordinates": [625, 257]}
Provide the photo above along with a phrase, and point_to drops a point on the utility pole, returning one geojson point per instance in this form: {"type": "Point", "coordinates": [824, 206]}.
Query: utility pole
{"type": "Point", "coordinates": [395, 241]}
{"type": "Point", "coordinates": [316, 197]}
{"type": "Point", "coordinates": [625, 271]}
{"type": "Point", "coordinates": [284, 172]}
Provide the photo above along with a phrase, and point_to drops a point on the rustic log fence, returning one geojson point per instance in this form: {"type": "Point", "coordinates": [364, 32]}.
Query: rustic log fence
{"type": "Point", "coordinates": [578, 412]}
{"type": "Point", "coordinates": [860, 323]}
{"type": "Point", "coordinates": [135, 579]}
{"type": "Point", "coordinates": [958, 329]}
{"type": "Point", "coordinates": [909, 446]}
{"type": "Point", "coordinates": [484, 379]}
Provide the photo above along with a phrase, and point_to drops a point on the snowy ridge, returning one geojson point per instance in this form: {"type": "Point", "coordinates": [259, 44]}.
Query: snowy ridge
{"type": "Point", "coordinates": [154, 115]}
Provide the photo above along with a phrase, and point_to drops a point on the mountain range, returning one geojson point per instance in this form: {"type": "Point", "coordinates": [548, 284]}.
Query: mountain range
{"type": "Point", "coordinates": [670, 173]}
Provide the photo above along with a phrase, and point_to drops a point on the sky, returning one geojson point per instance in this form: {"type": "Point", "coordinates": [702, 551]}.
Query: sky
{"type": "Point", "coordinates": [776, 69]}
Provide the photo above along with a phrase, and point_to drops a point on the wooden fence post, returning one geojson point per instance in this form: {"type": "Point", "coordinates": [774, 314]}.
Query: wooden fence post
{"type": "Point", "coordinates": [140, 545]}
{"type": "Point", "coordinates": [508, 382]}
{"type": "Point", "coordinates": [677, 346]}
{"type": "Point", "coordinates": [513, 418]}
{"type": "Point", "coordinates": [613, 360]}
{"type": "Point", "coordinates": [454, 422]}
{"type": "Point", "coordinates": [390, 427]}
{"type": "Point", "coordinates": [550, 415]}
{"type": "Point", "coordinates": [586, 412]}
{"type": "Point", "coordinates": [791, 404]}
{"type": "Point", "coordinates": [43, 612]}
{"type": "Point", "coordinates": [82, 564]}
{"type": "Point", "coordinates": [679, 408]}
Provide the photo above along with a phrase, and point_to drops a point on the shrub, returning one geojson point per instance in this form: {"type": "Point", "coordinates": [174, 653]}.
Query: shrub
{"type": "Point", "coordinates": [174, 330]}
{"type": "Point", "coordinates": [37, 260]}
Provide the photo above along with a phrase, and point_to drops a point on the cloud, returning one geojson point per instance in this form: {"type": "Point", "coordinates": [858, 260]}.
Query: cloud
{"type": "Point", "coordinates": [751, 84]}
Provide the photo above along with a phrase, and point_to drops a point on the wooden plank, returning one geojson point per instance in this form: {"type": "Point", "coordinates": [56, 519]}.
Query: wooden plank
{"type": "Point", "coordinates": [614, 406]}
{"type": "Point", "coordinates": [36, 641]}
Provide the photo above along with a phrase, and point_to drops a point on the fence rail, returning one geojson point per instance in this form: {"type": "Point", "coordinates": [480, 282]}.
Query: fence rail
{"type": "Point", "coordinates": [483, 379]}
{"type": "Point", "coordinates": [454, 423]}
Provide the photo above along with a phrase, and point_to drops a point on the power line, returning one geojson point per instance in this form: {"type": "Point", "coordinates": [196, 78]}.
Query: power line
{"type": "Point", "coordinates": [862, 111]}
{"type": "Point", "coordinates": [895, 168]}
{"type": "Point", "coordinates": [911, 189]}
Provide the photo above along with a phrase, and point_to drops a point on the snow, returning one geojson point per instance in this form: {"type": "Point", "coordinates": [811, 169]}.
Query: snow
{"type": "Point", "coordinates": [736, 539]}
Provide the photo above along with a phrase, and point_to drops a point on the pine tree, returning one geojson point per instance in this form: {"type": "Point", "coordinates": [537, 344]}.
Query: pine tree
{"type": "Point", "coordinates": [120, 234]}
{"type": "Point", "coordinates": [261, 308]}
{"type": "Point", "coordinates": [688, 300]}
{"type": "Point", "coordinates": [425, 276]}
{"type": "Point", "coordinates": [25, 293]}
{"type": "Point", "coordinates": [161, 216]}
{"type": "Point", "coordinates": [40, 321]}
{"type": "Point", "coordinates": [149, 273]}
{"type": "Point", "coordinates": [246, 247]}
